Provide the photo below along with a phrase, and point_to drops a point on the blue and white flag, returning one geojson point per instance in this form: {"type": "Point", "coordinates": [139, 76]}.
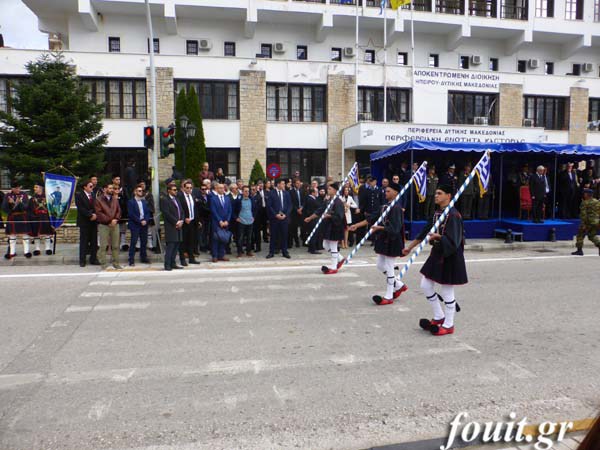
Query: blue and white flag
{"type": "Point", "coordinates": [381, 6]}
{"type": "Point", "coordinates": [353, 178]}
{"type": "Point", "coordinates": [420, 180]}
{"type": "Point", "coordinates": [483, 171]}
{"type": "Point", "coordinates": [347, 2]}
{"type": "Point", "coordinates": [59, 193]}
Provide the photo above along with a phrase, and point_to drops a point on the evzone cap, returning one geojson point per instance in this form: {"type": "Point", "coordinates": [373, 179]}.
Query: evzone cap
{"type": "Point", "coordinates": [445, 188]}
{"type": "Point", "coordinates": [394, 186]}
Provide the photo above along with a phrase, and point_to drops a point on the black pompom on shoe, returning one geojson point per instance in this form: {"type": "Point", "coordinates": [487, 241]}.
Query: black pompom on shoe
{"type": "Point", "coordinates": [37, 253]}
{"type": "Point", "coordinates": [28, 255]}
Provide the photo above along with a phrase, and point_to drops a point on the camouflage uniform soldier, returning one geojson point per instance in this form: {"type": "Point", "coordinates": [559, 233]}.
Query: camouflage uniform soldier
{"type": "Point", "coordinates": [590, 212]}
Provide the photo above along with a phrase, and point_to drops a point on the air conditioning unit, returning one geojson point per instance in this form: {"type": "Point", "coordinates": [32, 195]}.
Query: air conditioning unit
{"type": "Point", "coordinates": [475, 60]}
{"type": "Point", "coordinates": [528, 123]}
{"type": "Point", "coordinates": [279, 47]}
{"type": "Point", "coordinates": [587, 67]}
{"type": "Point", "coordinates": [480, 121]}
{"type": "Point", "coordinates": [594, 125]}
{"type": "Point", "coordinates": [533, 63]}
{"type": "Point", "coordinates": [349, 52]}
{"type": "Point", "coordinates": [204, 44]}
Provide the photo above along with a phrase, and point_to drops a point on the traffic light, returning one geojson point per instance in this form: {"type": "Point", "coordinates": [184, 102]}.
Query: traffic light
{"type": "Point", "coordinates": [167, 141]}
{"type": "Point", "coordinates": [149, 137]}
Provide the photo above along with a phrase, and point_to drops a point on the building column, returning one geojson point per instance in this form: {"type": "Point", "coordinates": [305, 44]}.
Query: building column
{"type": "Point", "coordinates": [253, 120]}
{"type": "Point", "coordinates": [165, 113]}
{"type": "Point", "coordinates": [340, 115]}
{"type": "Point", "coordinates": [511, 105]}
{"type": "Point", "coordinates": [579, 104]}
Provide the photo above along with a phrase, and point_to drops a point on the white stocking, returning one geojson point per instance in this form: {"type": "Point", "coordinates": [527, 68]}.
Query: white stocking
{"type": "Point", "coordinates": [25, 244]}
{"type": "Point", "coordinates": [428, 289]}
{"type": "Point", "coordinates": [36, 243]}
{"type": "Point", "coordinates": [48, 243]}
{"type": "Point", "coordinates": [332, 247]}
{"type": "Point", "coordinates": [12, 243]}
{"type": "Point", "coordinates": [447, 293]}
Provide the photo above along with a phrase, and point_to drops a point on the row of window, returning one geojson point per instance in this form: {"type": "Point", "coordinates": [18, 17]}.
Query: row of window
{"type": "Point", "coordinates": [509, 9]}
{"type": "Point", "coordinates": [126, 99]}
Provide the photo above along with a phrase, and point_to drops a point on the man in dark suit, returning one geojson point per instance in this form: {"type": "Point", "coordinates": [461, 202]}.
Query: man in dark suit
{"type": "Point", "coordinates": [190, 223]}
{"type": "Point", "coordinates": [260, 223]}
{"type": "Point", "coordinates": [567, 191]}
{"type": "Point", "coordinates": [537, 187]}
{"type": "Point", "coordinates": [173, 217]}
{"type": "Point", "coordinates": [298, 199]}
{"type": "Point", "coordinates": [86, 221]}
{"type": "Point", "coordinates": [279, 207]}
{"type": "Point", "coordinates": [220, 216]}
{"type": "Point", "coordinates": [139, 218]}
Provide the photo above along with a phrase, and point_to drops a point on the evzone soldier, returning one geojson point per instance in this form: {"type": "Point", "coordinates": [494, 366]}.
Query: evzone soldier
{"type": "Point", "coordinates": [333, 229]}
{"type": "Point", "coordinates": [389, 244]}
{"type": "Point", "coordinates": [15, 206]}
{"type": "Point", "coordinates": [37, 214]}
{"type": "Point", "coordinates": [590, 212]}
{"type": "Point", "coordinates": [445, 265]}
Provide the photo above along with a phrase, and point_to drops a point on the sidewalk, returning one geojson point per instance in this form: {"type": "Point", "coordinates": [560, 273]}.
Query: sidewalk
{"type": "Point", "coordinates": [68, 254]}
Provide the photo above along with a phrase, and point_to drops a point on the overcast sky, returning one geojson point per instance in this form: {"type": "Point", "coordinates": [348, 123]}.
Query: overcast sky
{"type": "Point", "coordinates": [18, 25]}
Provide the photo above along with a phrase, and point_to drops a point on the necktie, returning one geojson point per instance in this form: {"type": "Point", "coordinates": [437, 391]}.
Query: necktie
{"type": "Point", "coordinates": [299, 199]}
{"type": "Point", "coordinates": [281, 199]}
{"type": "Point", "coordinates": [89, 198]}
{"type": "Point", "coordinates": [178, 210]}
{"type": "Point", "coordinates": [190, 207]}
{"type": "Point", "coordinates": [222, 200]}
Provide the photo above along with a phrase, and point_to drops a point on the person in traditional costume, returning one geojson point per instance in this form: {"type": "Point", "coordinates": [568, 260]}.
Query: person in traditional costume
{"type": "Point", "coordinates": [15, 206]}
{"type": "Point", "coordinates": [39, 222]}
{"type": "Point", "coordinates": [444, 266]}
{"type": "Point", "coordinates": [389, 244]}
{"type": "Point", "coordinates": [332, 229]}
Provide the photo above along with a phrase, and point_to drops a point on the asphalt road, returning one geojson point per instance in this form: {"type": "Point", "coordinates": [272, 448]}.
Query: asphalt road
{"type": "Point", "coordinates": [280, 356]}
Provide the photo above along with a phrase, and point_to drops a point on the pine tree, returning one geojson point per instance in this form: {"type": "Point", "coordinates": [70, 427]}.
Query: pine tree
{"type": "Point", "coordinates": [257, 172]}
{"type": "Point", "coordinates": [181, 109]}
{"type": "Point", "coordinates": [53, 123]}
{"type": "Point", "coordinates": [196, 148]}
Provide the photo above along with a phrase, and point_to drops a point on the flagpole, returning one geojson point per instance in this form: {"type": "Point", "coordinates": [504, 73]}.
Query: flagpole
{"type": "Point", "coordinates": [330, 204]}
{"type": "Point", "coordinates": [383, 215]}
{"type": "Point", "coordinates": [384, 61]}
{"type": "Point", "coordinates": [441, 219]}
{"type": "Point", "coordinates": [412, 53]}
{"type": "Point", "coordinates": [356, 65]}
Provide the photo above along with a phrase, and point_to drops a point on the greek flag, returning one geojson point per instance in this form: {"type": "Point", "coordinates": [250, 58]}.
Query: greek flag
{"type": "Point", "coordinates": [347, 2]}
{"type": "Point", "coordinates": [381, 6]}
{"type": "Point", "coordinates": [420, 180]}
{"type": "Point", "coordinates": [483, 170]}
{"type": "Point", "coordinates": [353, 178]}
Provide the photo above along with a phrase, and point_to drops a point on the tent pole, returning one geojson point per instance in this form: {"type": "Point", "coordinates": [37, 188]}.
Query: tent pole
{"type": "Point", "coordinates": [501, 182]}
{"type": "Point", "coordinates": [554, 187]}
{"type": "Point", "coordinates": [412, 155]}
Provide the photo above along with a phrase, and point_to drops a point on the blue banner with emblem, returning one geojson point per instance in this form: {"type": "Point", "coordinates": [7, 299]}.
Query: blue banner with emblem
{"type": "Point", "coordinates": [59, 191]}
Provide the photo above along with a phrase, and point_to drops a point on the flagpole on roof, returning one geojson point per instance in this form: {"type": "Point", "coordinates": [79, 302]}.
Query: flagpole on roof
{"type": "Point", "coordinates": [384, 3]}
{"type": "Point", "coordinates": [412, 53]}
{"type": "Point", "coordinates": [356, 65]}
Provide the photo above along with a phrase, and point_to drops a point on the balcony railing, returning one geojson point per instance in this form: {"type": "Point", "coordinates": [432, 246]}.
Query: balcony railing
{"type": "Point", "coordinates": [450, 7]}
{"type": "Point", "coordinates": [483, 8]}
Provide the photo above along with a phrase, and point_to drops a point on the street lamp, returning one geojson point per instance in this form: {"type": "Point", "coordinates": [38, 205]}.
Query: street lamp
{"type": "Point", "coordinates": [189, 131]}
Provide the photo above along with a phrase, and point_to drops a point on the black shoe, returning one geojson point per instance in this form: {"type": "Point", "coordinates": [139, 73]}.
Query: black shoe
{"type": "Point", "coordinates": [125, 247]}
{"type": "Point", "coordinates": [578, 252]}
{"type": "Point", "coordinates": [81, 264]}
{"type": "Point", "coordinates": [48, 252]}
{"type": "Point", "coordinates": [270, 255]}
{"type": "Point", "coordinates": [184, 264]}
{"type": "Point", "coordinates": [193, 261]}
{"type": "Point", "coordinates": [131, 264]}
{"type": "Point", "coordinates": [95, 263]}
{"type": "Point", "coordinates": [168, 269]}
{"type": "Point", "coordinates": [177, 267]}
{"type": "Point", "coordinates": [28, 255]}
{"type": "Point", "coordinates": [314, 252]}
{"type": "Point", "coordinates": [286, 255]}
{"type": "Point", "coordinates": [36, 253]}
{"type": "Point", "coordinates": [146, 261]}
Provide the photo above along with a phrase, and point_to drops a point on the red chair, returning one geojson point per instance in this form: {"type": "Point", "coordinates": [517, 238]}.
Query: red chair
{"type": "Point", "coordinates": [525, 202]}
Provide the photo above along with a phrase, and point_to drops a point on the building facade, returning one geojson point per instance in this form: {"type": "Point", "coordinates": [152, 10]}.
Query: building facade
{"type": "Point", "coordinates": [282, 80]}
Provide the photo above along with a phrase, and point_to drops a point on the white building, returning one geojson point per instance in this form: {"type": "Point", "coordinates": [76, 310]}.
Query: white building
{"type": "Point", "coordinates": [277, 78]}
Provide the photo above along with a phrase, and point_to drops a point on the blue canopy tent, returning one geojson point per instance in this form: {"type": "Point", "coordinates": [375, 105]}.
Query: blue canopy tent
{"type": "Point", "coordinates": [384, 162]}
